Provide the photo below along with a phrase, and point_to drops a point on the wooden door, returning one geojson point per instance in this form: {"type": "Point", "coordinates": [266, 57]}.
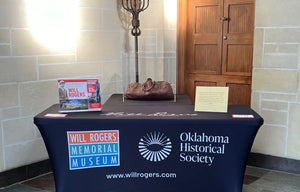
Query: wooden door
{"type": "Point", "coordinates": [217, 47]}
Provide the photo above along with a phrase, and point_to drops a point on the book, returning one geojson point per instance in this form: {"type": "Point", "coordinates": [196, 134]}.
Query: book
{"type": "Point", "coordinates": [77, 95]}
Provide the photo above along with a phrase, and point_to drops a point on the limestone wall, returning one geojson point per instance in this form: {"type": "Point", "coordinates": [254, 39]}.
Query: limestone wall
{"type": "Point", "coordinates": [276, 82]}
{"type": "Point", "coordinates": [29, 69]}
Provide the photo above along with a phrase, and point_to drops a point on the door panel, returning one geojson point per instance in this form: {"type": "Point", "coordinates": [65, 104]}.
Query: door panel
{"type": "Point", "coordinates": [239, 93]}
{"type": "Point", "coordinates": [240, 18]}
{"type": "Point", "coordinates": [207, 19]}
{"type": "Point", "coordinates": [233, 82]}
{"type": "Point", "coordinates": [239, 59]}
{"type": "Point", "coordinates": [204, 36]}
{"type": "Point", "coordinates": [205, 59]}
{"type": "Point", "coordinates": [238, 38]}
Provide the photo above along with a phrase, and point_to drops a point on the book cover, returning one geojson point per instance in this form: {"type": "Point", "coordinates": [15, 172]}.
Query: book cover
{"type": "Point", "coordinates": [79, 95]}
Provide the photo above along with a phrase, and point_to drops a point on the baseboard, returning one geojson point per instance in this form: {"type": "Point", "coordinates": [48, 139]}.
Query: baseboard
{"type": "Point", "coordinates": [274, 163]}
{"type": "Point", "coordinates": [24, 173]}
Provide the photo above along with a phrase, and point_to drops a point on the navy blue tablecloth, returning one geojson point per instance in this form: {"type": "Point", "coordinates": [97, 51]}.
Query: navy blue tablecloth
{"type": "Point", "coordinates": [149, 146]}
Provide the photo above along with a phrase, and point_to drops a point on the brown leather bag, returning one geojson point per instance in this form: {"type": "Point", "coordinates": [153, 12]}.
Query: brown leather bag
{"type": "Point", "coordinates": [156, 90]}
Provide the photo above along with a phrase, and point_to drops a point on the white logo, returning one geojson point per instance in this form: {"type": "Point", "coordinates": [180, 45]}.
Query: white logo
{"type": "Point", "coordinates": [155, 146]}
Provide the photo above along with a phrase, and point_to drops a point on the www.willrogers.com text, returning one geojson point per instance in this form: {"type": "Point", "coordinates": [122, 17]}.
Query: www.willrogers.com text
{"type": "Point", "coordinates": [133, 175]}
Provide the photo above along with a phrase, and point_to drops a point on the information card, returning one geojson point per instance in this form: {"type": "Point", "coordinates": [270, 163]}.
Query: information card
{"type": "Point", "coordinates": [211, 99]}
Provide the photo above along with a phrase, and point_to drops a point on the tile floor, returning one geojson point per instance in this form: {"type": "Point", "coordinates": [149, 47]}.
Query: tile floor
{"type": "Point", "coordinates": [256, 180]}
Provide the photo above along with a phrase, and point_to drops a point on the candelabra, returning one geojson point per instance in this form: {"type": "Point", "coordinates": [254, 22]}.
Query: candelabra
{"type": "Point", "coordinates": [135, 7]}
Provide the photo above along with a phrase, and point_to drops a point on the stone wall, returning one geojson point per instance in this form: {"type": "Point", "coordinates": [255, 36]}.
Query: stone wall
{"type": "Point", "coordinates": [276, 82]}
{"type": "Point", "coordinates": [29, 69]}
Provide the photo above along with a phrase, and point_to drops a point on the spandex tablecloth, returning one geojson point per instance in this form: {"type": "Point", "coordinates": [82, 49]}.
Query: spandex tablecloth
{"type": "Point", "coordinates": [149, 146]}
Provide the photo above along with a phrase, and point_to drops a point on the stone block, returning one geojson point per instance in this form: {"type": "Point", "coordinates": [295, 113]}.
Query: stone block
{"type": "Point", "coordinates": [90, 18]}
{"type": "Point", "coordinates": [148, 42]}
{"type": "Point", "coordinates": [110, 20]}
{"type": "Point", "coordinates": [35, 97]}
{"type": "Point", "coordinates": [281, 48]}
{"type": "Point", "coordinates": [56, 59]}
{"type": "Point", "coordinates": [109, 88]}
{"type": "Point", "coordinates": [4, 50]}
{"type": "Point", "coordinates": [255, 101]}
{"type": "Point", "coordinates": [274, 117]}
{"type": "Point", "coordinates": [284, 81]}
{"type": "Point", "coordinates": [9, 113]}
{"type": "Point", "coordinates": [89, 3]}
{"type": "Point", "coordinates": [258, 47]}
{"type": "Point", "coordinates": [153, 17]}
{"type": "Point", "coordinates": [55, 71]}
{"type": "Point", "coordinates": [24, 42]}
{"type": "Point", "coordinates": [160, 44]}
{"type": "Point", "coordinates": [27, 153]}
{"type": "Point", "coordinates": [274, 146]}
{"type": "Point", "coordinates": [282, 35]}
{"type": "Point", "coordinates": [9, 95]}
{"type": "Point", "coordinates": [112, 71]}
{"type": "Point", "coordinates": [98, 4]}
{"type": "Point", "coordinates": [170, 74]}
{"type": "Point", "coordinates": [17, 69]}
{"type": "Point", "coordinates": [18, 130]}
{"type": "Point", "coordinates": [270, 48]}
{"type": "Point", "coordinates": [280, 61]}
{"type": "Point", "coordinates": [293, 142]}
{"type": "Point", "coordinates": [284, 97]}
{"type": "Point", "coordinates": [153, 68]}
{"type": "Point", "coordinates": [4, 36]}
{"type": "Point", "coordinates": [270, 13]}
{"type": "Point", "coordinates": [13, 13]}
{"type": "Point", "coordinates": [288, 48]}
{"type": "Point", "coordinates": [170, 40]}
{"type": "Point", "coordinates": [274, 105]}
{"type": "Point", "coordinates": [99, 45]}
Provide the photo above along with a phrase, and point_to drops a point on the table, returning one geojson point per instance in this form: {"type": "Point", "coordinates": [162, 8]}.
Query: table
{"type": "Point", "coordinates": [149, 146]}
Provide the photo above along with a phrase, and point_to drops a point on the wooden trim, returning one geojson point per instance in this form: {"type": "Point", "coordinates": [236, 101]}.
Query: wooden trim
{"type": "Point", "coordinates": [181, 38]}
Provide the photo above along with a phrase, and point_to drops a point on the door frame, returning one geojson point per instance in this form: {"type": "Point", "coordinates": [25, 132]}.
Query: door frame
{"type": "Point", "coordinates": [181, 45]}
{"type": "Point", "coordinates": [181, 38]}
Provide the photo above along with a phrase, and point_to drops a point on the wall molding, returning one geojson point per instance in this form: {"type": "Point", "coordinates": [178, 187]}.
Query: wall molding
{"type": "Point", "coordinates": [24, 173]}
{"type": "Point", "coordinates": [274, 163]}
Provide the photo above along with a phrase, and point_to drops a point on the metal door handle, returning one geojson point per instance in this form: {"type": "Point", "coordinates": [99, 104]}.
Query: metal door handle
{"type": "Point", "coordinates": [225, 37]}
{"type": "Point", "coordinates": [224, 18]}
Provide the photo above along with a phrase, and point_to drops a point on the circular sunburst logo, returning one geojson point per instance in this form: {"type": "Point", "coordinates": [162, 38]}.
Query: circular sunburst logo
{"type": "Point", "coordinates": [155, 146]}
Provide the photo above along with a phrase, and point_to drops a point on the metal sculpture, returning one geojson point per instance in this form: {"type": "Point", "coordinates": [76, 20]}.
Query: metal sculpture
{"type": "Point", "coordinates": [135, 7]}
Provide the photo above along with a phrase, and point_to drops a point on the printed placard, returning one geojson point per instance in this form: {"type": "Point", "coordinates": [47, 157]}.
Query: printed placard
{"type": "Point", "coordinates": [90, 149]}
{"type": "Point", "coordinates": [78, 95]}
{"type": "Point", "coordinates": [211, 99]}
